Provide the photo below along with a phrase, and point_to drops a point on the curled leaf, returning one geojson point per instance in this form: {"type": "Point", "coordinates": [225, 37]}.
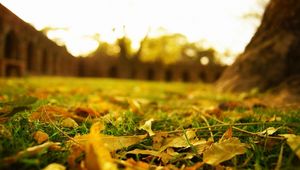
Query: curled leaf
{"type": "Point", "coordinates": [147, 127]}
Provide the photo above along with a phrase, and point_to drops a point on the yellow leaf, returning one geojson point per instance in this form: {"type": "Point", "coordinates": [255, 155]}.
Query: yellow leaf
{"type": "Point", "coordinates": [97, 155]}
{"type": "Point", "coordinates": [69, 123]}
{"type": "Point", "coordinates": [268, 131]}
{"type": "Point", "coordinates": [30, 151]}
{"type": "Point", "coordinates": [180, 141]}
{"type": "Point", "coordinates": [294, 142]}
{"type": "Point", "coordinates": [113, 143]}
{"type": "Point", "coordinates": [55, 166]}
{"type": "Point", "coordinates": [223, 151]}
{"type": "Point", "coordinates": [147, 127]}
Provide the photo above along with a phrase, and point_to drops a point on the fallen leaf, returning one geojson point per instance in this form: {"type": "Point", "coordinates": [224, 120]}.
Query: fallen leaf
{"type": "Point", "coordinates": [75, 152]}
{"type": "Point", "coordinates": [164, 157]}
{"type": "Point", "coordinates": [113, 143]}
{"type": "Point", "coordinates": [97, 156]}
{"type": "Point", "coordinates": [227, 134]}
{"type": "Point", "coordinates": [223, 151]}
{"type": "Point", "coordinates": [147, 127]}
{"type": "Point", "coordinates": [294, 142]}
{"type": "Point", "coordinates": [135, 106]}
{"type": "Point", "coordinates": [215, 112]}
{"type": "Point", "coordinates": [131, 164]}
{"type": "Point", "coordinates": [274, 118]}
{"type": "Point", "coordinates": [230, 105]}
{"type": "Point", "coordinates": [158, 139]}
{"type": "Point", "coordinates": [51, 113]}
{"type": "Point", "coordinates": [268, 131]}
{"type": "Point", "coordinates": [69, 123]}
{"type": "Point", "coordinates": [40, 137]}
{"type": "Point", "coordinates": [183, 141]}
{"type": "Point", "coordinates": [54, 166]}
{"type": "Point", "coordinates": [30, 151]}
{"type": "Point", "coordinates": [85, 112]}
{"type": "Point", "coordinates": [22, 101]}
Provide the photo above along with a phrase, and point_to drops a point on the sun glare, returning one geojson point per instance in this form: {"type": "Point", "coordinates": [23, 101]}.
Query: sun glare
{"type": "Point", "coordinates": [220, 23]}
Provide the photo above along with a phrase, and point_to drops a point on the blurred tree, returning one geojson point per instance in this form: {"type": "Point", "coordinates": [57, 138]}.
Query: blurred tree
{"type": "Point", "coordinates": [257, 14]}
{"type": "Point", "coordinates": [124, 44]}
{"type": "Point", "coordinates": [273, 54]}
{"type": "Point", "coordinates": [167, 48]}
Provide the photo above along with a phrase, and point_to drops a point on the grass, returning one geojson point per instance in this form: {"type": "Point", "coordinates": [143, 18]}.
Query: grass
{"type": "Point", "coordinates": [125, 105]}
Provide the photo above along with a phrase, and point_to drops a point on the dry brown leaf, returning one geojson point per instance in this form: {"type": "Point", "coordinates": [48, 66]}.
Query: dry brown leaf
{"type": "Point", "coordinates": [227, 134]}
{"type": "Point", "coordinates": [158, 139]}
{"type": "Point", "coordinates": [30, 151]}
{"type": "Point", "coordinates": [201, 146]}
{"type": "Point", "coordinates": [55, 166]}
{"type": "Point", "coordinates": [131, 164]}
{"type": "Point", "coordinates": [147, 127]}
{"type": "Point", "coordinates": [97, 156]}
{"type": "Point", "coordinates": [223, 151]}
{"type": "Point", "coordinates": [75, 152]}
{"type": "Point", "coordinates": [294, 142]}
{"type": "Point", "coordinates": [85, 112]}
{"type": "Point", "coordinates": [40, 137]}
{"type": "Point", "coordinates": [51, 113]}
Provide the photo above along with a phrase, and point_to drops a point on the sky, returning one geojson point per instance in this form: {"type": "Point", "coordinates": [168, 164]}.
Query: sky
{"type": "Point", "coordinates": [219, 22]}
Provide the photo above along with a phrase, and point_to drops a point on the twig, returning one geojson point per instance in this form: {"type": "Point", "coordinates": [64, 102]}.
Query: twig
{"type": "Point", "coordinates": [211, 134]}
{"type": "Point", "coordinates": [279, 161]}
{"type": "Point", "coordinates": [61, 131]}
{"type": "Point", "coordinates": [223, 124]}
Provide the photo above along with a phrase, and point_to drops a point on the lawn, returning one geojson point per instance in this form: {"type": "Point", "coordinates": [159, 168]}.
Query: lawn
{"type": "Point", "coordinates": [73, 123]}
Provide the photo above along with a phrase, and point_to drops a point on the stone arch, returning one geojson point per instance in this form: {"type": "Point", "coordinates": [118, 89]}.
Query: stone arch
{"type": "Point", "coordinates": [202, 75]}
{"type": "Point", "coordinates": [44, 62]}
{"type": "Point", "coordinates": [150, 74]}
{"type": "Point", "coordinates": [11, 49]}
{"type": "Point", "coordinates": [169, 75]}
{"type": "Point", "coordinates": [54, 63]}
{"type": "Point", "coordinates": [113, 72]}
{"type": "Point", "coordinates": [185, 76]}
{"type": "Point", "coordinates": [133, 73]}
{"type": "Point", "coordinates": [30, 56]}
{"type": "Point", "coordinates": [1, 24]}
{"type": "Point", "coordinates": [12, 71]}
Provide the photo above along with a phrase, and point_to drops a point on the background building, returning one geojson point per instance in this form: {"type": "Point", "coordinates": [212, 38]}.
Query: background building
{"type": "Point", "coordinates": [26, 51]}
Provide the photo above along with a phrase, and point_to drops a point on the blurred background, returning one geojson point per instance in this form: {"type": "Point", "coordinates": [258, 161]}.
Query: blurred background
{"type": "Point", "coordinates": [191, 40]}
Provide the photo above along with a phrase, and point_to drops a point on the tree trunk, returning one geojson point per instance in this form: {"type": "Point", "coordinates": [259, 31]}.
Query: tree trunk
{"type": "Point", "coordinates": [273, 54]}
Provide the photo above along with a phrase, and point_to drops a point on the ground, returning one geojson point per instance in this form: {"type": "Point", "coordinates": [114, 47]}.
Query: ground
{"type": "Point", "coordinates": [57, 123]}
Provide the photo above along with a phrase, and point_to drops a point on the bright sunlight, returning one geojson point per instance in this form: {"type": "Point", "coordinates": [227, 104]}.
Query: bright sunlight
{"type": "Point", "coordinates": [219, 23]}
